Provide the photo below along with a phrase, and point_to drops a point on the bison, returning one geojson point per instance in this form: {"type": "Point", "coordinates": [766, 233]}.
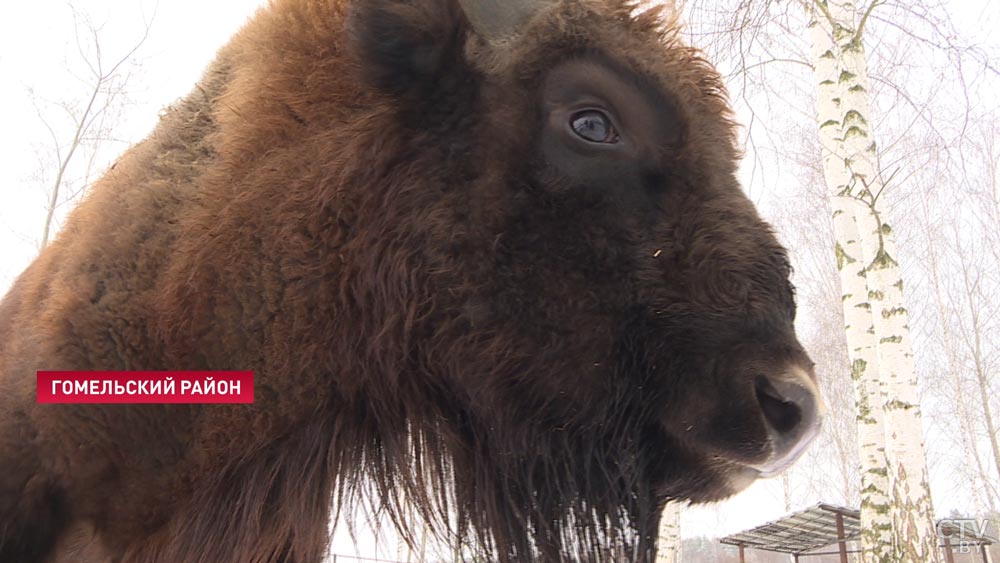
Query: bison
{"type": "Point", "coordinates": [489, 262]}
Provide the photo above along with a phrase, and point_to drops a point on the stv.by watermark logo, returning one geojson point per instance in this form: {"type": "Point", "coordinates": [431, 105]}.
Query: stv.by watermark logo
{"type": "Point", "coordinates": [964, 535]}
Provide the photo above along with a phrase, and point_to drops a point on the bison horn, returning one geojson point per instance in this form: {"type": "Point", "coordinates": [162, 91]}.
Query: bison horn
{"type": "Point", "coordinates": [497, 20]}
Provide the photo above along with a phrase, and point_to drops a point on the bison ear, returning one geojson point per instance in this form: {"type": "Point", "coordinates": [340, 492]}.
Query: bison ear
{"type": "Point", "coordinates": [406, 45]}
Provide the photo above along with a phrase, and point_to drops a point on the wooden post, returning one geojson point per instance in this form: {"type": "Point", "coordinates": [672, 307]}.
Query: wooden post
{"type": "Point", "coordinates": [743, 557]}
{"type": "Point", "coordinates": [840, 538]}
{"type": "Point", "coordinates": [948, 555]}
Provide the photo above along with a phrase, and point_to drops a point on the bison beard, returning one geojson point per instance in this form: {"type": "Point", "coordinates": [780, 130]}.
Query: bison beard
{"type": "Point", "coordinates": [489, 263]}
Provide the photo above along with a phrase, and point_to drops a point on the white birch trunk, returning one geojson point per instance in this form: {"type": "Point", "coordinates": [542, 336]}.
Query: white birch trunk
{"type": "Point", "coordinates": [859, 325]}
{"type": "Point", "coordinates": [668, 544]}
{"type": "Point", "coordinates": [915, 534]}
{"type": "Point", "coordinates": [897, 515]}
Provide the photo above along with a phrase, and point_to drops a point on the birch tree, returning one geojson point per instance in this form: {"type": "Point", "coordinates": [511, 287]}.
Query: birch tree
{"type": "Point", "coordinates": [897, 513]}
{"type": "Point", "coordinates": [668, 548]}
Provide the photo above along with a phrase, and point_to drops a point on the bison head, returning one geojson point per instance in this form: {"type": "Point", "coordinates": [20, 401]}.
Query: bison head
{"type": "Point", "coordinates": [602, 319]}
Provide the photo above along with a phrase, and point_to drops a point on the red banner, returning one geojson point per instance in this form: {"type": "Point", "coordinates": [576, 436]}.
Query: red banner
{"type": "Point", "coordinates": [145, 386]}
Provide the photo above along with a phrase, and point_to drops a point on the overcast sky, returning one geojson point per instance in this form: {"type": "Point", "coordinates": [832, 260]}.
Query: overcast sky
{"type": "Point", "coordinates": [37, 53]}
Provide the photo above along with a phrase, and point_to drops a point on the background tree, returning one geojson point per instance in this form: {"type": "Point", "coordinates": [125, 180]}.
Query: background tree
{"type": "Point", "coordinates": [668, 549]}
{"type": "Point", "coordinates": [81, 125]}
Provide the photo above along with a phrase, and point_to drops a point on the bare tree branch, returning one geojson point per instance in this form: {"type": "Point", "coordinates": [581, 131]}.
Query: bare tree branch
{"type": "Point", "coordinates": [101, 95]}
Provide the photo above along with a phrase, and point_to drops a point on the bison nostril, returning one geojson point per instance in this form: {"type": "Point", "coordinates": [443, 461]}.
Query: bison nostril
{"type": "Point", "coordinates": [781, 412]}
{"type": "Point", "coordinates": [792, 408]}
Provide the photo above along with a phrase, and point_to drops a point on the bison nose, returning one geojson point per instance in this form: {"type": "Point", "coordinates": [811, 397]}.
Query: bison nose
{"type": "Point", "coordinates": [792, 409]}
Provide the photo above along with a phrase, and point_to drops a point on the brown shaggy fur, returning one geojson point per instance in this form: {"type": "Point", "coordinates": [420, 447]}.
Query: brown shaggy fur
{"type": "Point", "coordinates": [354, 204]}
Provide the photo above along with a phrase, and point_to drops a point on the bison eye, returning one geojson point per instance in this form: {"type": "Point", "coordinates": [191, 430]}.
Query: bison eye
{"type": "Point", "coordinates": [593, 126]}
